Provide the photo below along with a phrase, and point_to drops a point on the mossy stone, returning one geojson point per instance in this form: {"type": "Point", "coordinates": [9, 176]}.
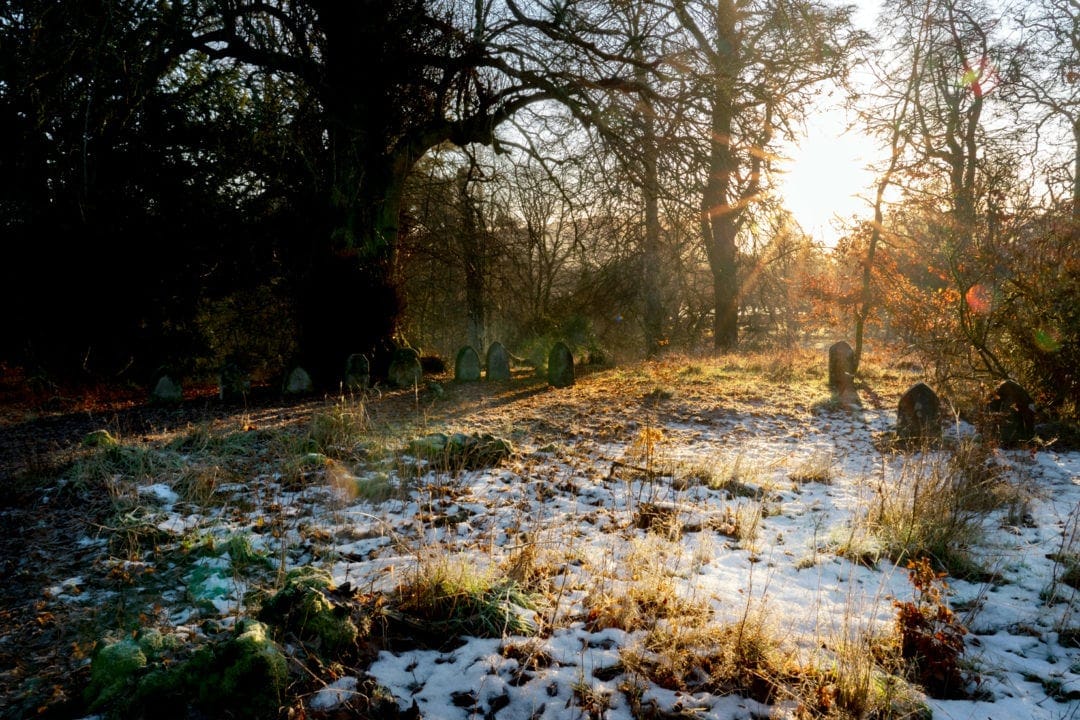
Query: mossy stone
{"type": "Point", "coordinates": [467, 365]}
{"type": "Point", "coordinates": [245, 677]}
{"type": "Point", "coordinates": [304, 606]}
{"type": "Point", "coordinates": [113, 673]}
{"type": "Point", "coordinates": [405, 370]}
{"type": "Point", "coordinates": [498, 362]}
{"type": "Point", "coordinates": [100, 439]}
{"type": "Point", "coordinates": [167, 392]}
{"type": "Point", "coordinates": [560, 366]}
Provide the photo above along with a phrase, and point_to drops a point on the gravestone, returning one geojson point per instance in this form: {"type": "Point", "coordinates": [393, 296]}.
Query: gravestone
{"type": "Point", "coordinates": [405, 370]}
{"type": "Point", "coordinates": [918, 415]}
{"type": "Point", "coordinates": [467, 365]}
{"type": "Point", "coordinates": [298, 382]}
{"type": "Point", "coordinates": [842, 376]}
{"type": "Point", "coordinates": [841, 367]}
{"type": "Point", "coordinates": [560, 366]}
{"type": "Point", "coordinates": [167, 392]}
{"type": "Point", "coordinates": [233, 383]}
{"type": "Point", "coordinates": [498, 362]}
{"type": "Point", "coordinates": [1012, 413]}
{"type": "Point", "coordinates": [357, 372]}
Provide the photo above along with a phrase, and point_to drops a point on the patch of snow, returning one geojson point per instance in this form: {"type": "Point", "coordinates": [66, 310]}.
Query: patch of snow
{"type": "Point", "coordinates": [162, 493]}
{"type": "Point", "coordinates": [334, 695]}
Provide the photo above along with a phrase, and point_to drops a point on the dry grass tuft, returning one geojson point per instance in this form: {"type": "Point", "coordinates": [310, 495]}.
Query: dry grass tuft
{"type": "Point", "coordinates": [936, 507]}
{"type": "Point", "coordinates": [452, 596]}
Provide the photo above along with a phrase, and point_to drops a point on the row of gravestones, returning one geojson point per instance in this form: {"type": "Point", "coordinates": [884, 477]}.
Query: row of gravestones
{"type": "Point", "coordinates": [233, 385]}
{"type": "Point", "coordinates": [405, 370]}
{"type": "Point", "coordinates": [918, 414]}
{"type": "Point", "coordinates": [1010, 412]}
{"type": "Point", "coordinates": [560, 371]}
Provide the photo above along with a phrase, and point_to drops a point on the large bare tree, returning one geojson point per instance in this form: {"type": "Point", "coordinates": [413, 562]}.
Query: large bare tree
{"type": "Point", "coordinates": [760, 64]}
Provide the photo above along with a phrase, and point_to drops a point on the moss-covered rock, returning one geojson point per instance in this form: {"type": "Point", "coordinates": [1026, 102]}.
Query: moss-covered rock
{"type": "Point", "coordinates": [100, 439]}
{"type": "Point", "coordinates": [113, 673]}
{"type": "Point", "coordinates": [305, 606]}
{"type": "Point", "coordinates": [244, 677]}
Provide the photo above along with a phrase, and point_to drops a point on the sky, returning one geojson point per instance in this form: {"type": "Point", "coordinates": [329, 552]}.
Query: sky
{"type": "Point", "coordinates": [826, 179]}
{"type": "Point", "coordinates": [827, 173]}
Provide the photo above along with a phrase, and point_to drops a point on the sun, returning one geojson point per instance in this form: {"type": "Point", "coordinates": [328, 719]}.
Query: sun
{"type": "Point", "coordinates": [826, 178]}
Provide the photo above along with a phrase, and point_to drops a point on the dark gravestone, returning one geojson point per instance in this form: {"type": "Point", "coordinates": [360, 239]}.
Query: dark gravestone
{"type": "Point", "coordinates": [842, 376]}
{"type": "Point", "coordinates": [1012, 413]}
{"type": "Point", "coordinates": [357, 372]}
{"type": "Point", "coordinates": [560, 366]}
{"type": "Point", "coordinates": [405, 368]}
{"type": "Point", "coordinates": [918, 415]}
{"type": "Point", "coordinates": [167, 392]}
{"type": "Point", "coordinates": [298, 382]}
{"type": "Point", "coordinates": [841, 367]}
{"type": "Point", "coordinates": [234, 385]}
{"type": "Point", "coordinates": [467, 365]}
{"type": "Point", "coordinates": [498, 362]}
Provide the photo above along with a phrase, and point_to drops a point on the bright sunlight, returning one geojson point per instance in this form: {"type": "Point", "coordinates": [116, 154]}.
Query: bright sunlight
{"type": "Point", "coordinates": [826, 179]}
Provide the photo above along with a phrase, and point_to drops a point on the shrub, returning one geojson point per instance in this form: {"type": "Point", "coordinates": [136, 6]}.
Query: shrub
{"type": "Point", "coordinates": [931, 636]}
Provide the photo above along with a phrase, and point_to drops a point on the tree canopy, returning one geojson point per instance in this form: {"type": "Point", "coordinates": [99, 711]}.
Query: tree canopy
{"type": "Point", "coordinates": [269, 183]}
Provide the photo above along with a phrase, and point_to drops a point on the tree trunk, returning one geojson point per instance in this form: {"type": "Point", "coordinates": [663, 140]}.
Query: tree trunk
{"type": "Point", "coordinates": [1075, 230]}
{"type": "Point", "coordinates": [650, 256]}
{"type": "Point", "coordinates": [472, 256]}
{"type": "Point", "coordinates": [718, 216]}
{"type": "Point", "coordinates": [349, 299]}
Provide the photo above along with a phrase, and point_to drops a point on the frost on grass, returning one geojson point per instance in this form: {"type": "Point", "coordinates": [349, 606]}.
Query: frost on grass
{"type": "Point", "coordinates": [715, 549]}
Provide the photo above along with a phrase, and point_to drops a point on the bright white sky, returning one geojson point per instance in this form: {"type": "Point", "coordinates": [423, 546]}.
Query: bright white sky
{"type": "Point", "coordinates": [826, 175]}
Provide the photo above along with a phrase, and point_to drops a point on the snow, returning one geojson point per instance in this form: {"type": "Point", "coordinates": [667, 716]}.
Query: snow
{"type": "Point", "coordinates": [566, 499]}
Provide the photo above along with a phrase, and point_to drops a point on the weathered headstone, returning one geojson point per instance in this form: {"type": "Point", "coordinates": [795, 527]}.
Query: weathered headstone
{"type": "Point", "coordinates": [498, 362]}
{"type": "Point", "coordinates": [166, 392]}
{"type": "Point", "coordinates": [298, 382]}
{"type": "Point", "coordinates": [560, 366]}
{"type": "Point", "coordinates": [842, 376]}
{"type": "Point", "coordinates": [233, 383]}
{"type": "Point", "coordinates": [841, 367]}
{"type": "Point", "coordinates": [467, 365]}
{"type": "Point", "coordinates": [1012, 413]}
{"type": "Point", "coordinates": [918, 415]}
{"type": "Point", "coordinates": [405, 371]}
{"type": "Point", "coordinates": [357, 372]}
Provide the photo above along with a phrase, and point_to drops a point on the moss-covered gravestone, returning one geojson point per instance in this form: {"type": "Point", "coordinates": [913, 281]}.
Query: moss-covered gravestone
{"type": "Point", "coordinates": [498, 362]}
{"type": "Point", "coordinates": [560, 366]}
{"type": "Point", "coordinates": [166, 392]}
{"type": "Point", "coordinates": [298, 382]}
{"type": "Point", "coordinates": [357, 372]}
{"type": "Point", "coordinates": [918, 415]}
{"type": "Point", "coordinates": [405, 370]}
{"type": "Point", "coordinates": [842, 376]}
{"type": "Point", "coordinates": [467, 365]}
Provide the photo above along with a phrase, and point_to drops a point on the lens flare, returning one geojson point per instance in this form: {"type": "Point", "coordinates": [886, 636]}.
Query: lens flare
{"type": "Point", "coordinates": [978, 299]}
{"type": "Point", "coordinates": [1046, 341]}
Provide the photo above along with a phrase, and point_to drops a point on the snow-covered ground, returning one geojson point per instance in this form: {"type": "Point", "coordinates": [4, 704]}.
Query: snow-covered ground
{"type": "Point", "coordinates": [575, 502]}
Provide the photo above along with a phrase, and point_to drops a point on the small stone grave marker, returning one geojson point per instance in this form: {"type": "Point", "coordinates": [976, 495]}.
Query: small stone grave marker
{"type": "Point", "coordinates": [918, 415]}
{"type": "Point", "coordinates": [560, 366]}
{"type": "Point", "coordinates": [498, 362]}
{"type": "Point", "coordinates": [405, 370]}
{"type": "Point", "coordinates": [467, 365]}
